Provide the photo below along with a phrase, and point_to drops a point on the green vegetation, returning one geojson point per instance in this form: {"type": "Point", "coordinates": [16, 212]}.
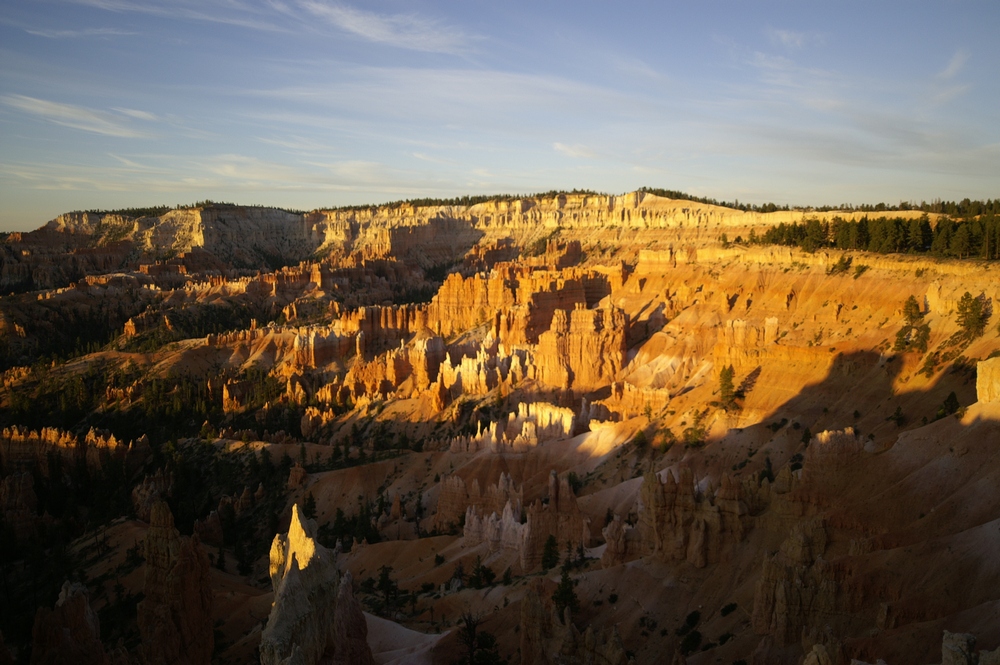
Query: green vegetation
{"type": "Point", "coordinates": [973, 313]}
{"type": "Point", "coordinates": [948, 407]}
{"type": "Point", "coordinates": [978, 235]}
{"type": "Point", "coordinates": [480, 646]}
{"type": "Point", "coordinates": [466, 200]}
{"type": "Point", "coordinates": [913, 336]}
{"type": "Point", "coordinates": [727, 392]}
{"type": "Point", "coordinates": [482, 576]}
{"type": "Point", "coordinates": [565, 596]}
{"type": "Point", "coordinates": [550, 553]}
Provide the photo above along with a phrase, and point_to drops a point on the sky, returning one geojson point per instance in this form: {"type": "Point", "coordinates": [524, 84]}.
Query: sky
{"type": "Point", "coordinates": [303, 104]}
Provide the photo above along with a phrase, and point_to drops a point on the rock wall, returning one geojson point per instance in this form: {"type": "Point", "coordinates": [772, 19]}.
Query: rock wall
{"type": "Point", "coordinates": [988, 380]}
{"type": "Point", "coordinates": [678, 522]}
{"type": "Point", "coordinates": [455, 499]}
{"type": "Point", "coordinates": [744, 345]}
{"type": "Point", "coordinates": [314, 614]}
{"type": "Point", "coordinates": [956, 649]}
{"type": "Point", "coordinates": [560, 517]}
{"type": "Point", "coordinates": [350, 628]}
{"type": "Point", "coordinates": [175, 617]}
{"type": "Point", "coordinates": [68, 633]}
{"type": "Point", "coordinates": [24, 448]}
{"type": "Point", "coordinates": [796, 589]}
{"type": "Point", "coordinates": [583, 350]}
{"type": "Point", "coordinates": [503, 529]}
{"type": "Point", "coordinates": [532, 424]}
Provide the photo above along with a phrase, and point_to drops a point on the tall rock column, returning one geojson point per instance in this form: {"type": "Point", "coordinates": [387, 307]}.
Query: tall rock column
{"type": "Point", "coordinates": [306, 623]}
{"type": "Point", "coordinates": [175, 617]}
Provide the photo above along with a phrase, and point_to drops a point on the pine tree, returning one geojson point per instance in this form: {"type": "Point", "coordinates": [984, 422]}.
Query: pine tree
{"type": "Point", "coordinates": [565, 595]}
{"type": "Point", "coordinates": [972, 316]}
{"type": "Point", "coordinates": [550, 553]}
{"type": "Point", "coordinates": [309, 506]}
{"type": "Point", "coordinates": [727, 392]}
{"type": "Point", "coordinates": [911, 310]}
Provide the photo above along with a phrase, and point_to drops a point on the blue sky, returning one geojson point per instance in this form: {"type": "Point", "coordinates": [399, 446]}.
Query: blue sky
{"type": "Point", "coordinates": [309, 103]}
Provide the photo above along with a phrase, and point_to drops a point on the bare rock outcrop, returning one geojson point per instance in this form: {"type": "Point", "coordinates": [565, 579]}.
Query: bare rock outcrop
{"type": "Point", "coordinates": [306, 623]}
{"type": "Point", "coordinates": [547, 638]}
{"type": "Point", "coordinates": [678, 522]}
{"type": "Point", "coordinates": [582, 350]}
{"type": "Point", "coordinates": [350, 628]}
{"type": "Point", "coordinates": [456, 498]}
{"type": "Point", "coordinates": [152, 489]}
{"type": "Point", "coordinates": [796, 589]}
{"type": "Point", "coordinates": [532, 424]}
{"type": "Point", "coordinates": [175, 617]}
{"type": "Point", "coordinates": [956, 649]}
{"type": "Point", "coordinates": [560, 518]}
{"type": "Point", "coordinates": [620, 538]}
{"type": "Point", "coordinates": [988, 380]}
{"type": "Point", "coordinates": [68, 633]}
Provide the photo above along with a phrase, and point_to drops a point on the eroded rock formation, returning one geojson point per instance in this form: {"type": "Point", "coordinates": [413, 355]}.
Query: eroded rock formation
{"type": "Point", "coordinates": [677, 521]}
{"type": "Point", "coordinates": [68, 633]}
{"type": "Point", "coordinates": [796, 589]}
{"type": "Point", "coordinates": [175, 617]}
{"type": "Point", "coordinates": [547, 639]}
{"type": "Point", "coordinates": [306, 623]}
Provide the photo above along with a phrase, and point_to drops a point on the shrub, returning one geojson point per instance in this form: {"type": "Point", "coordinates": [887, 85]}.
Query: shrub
{"type": "Point", "coordinates": [691, 642]}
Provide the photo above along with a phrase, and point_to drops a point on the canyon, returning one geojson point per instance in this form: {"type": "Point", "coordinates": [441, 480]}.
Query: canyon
{"type": "Point", "coordinates": [420, 434]}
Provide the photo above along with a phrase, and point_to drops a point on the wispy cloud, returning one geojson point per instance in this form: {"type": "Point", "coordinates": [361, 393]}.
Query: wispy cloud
{"type": "Point", "coordinates": [226, 12]}
{"type": "Point", "coordinates": [86, 32]}
{"type": "Point", "coordinates": [403, 30]}
{"type": "Point", "coordinates": [954, 66]}
{"type": "Point", "coordinates": [407, 31]}
{"type": "Point", "coordinates": [133, 113]}
{"type": "Point", "coordinates": [576, 150]}
{"type": "Point", "coordinates": [70, 115]}
{"type": "Point", "coordinates": [787, 38]}
{"type": "Point", "coordinates": [792, 40]}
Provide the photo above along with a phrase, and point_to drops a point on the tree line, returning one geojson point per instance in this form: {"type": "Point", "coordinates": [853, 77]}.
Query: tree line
{"type": "Point", "coordinates": [970, 238]}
